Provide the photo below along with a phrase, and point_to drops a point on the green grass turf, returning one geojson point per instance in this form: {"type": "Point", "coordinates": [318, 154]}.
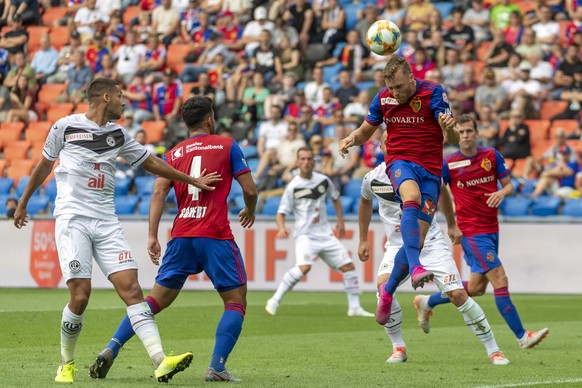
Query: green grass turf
{"type": "Point", "coordinates": [310, 343]}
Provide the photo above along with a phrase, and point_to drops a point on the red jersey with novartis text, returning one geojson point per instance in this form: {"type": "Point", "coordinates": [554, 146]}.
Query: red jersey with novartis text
{"type": "Point", "coordinates": [470, 178]}
{"type": "Point", "coordinates": [205, 213]}
{"type": "Point", "coordinates": [414, 133]}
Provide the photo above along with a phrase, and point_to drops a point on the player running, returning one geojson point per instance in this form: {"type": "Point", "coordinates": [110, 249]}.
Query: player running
{"type": "Point", "coordinates": [87, 226]}
{"type": "Point", "coordinates": [418, 120]}
{"type": "Point", "coordinates": [202, 239]}
{"type": "Point", "coordinates": [472, 174]}
{"type": "Point", "coordinates": [435, 257]}
{"type": "Point", "coordinates": [305, 198]}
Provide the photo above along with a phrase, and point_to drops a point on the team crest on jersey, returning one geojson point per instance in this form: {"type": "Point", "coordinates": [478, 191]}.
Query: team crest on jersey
{"type": "Point", "coordinates": [110, 140]}
{"type": "Point", "coordinates": [428, 208]}
{"type": "Point", "coordinates": [415, 104]}
{"type": "Point", "coordinates": [486, 164]}
{"type": "Point", "coordinates": [178, 153]}
{"type": "Point", "coordinates": [490, 256]}
{"type": "Point", "coordinates": [397, 174]}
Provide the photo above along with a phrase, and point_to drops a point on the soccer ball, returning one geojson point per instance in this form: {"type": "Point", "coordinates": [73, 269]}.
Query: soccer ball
{"type": "Point", "coordinates": [383, 37]}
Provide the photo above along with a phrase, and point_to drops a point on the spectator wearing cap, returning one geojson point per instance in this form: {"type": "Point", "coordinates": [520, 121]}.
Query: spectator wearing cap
{"type": "Point", "coordinates": [127, 58]}
{"type": "Point", "coordinates": [252, 31]}
{"type": "Point", "coordinates": [167, 101]}
{"type": "Point", "coordinates": [266, 59]}
{"type": "Point", "coordinates": [88, 20]}
{"type": "Point", "coordinates": [477, 17]}
{"type": "Point", "coordinates": [165, 22]}
{"type": "Point", "coordinates": [490, 93]}
{"type": "Point", "coordinates": [26, 11]}
{"type": "Point", "coordinates": [96, 51]}
{"type": "Point", "coordinates": [65, 59]}
{"type": "Point", "coordinates": [499, 51]}
{"type": "Point", "coordinates": [154, 60]}
{"type": "Point", "coordinates": [460, 36]}
{"type": "Point", "coordinates": [525, 93]}
{"type": "Point", "coordinates": [45, 60]}
{"type": "Point", "coordinates": [139, 98]}
{"type": "Point", "coordinates": [352, 57]}
{"type": "Point", "coordinates": [78, 79]}
{"type": "Point", "coordinates": [231, 31]}
{"type": "Point", "coordinates": [189, 21]}
{"type": "Point", "coordinates": [21, 67]}
{"type": "Point", "coordinates": [16, 39]}
{"type": "Point", "coordinates": [301, 16]}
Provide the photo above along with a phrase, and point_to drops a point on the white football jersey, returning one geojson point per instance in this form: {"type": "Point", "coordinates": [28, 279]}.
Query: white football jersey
{"type": "Point", "coordinates": [306, 199]}
{"type": "Point", "coordinates": [376, 183]}
{"type": "Point", "coordinates": [86, 172]}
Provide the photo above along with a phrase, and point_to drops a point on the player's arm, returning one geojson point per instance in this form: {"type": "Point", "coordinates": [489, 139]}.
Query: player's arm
{"type": "Point", "coordinates": [364, 219]}
{"type": "Point", "coordinates": [157, 166]}
{"type": "Point", "coordinates": [39, 174]}
{"type": "Point", "coordinates": [439, 106]}
{"type": "Point", "coordinates": [250, 196]}
{"type": "Point", "coordinates": [339, 211]}
{"type": "Point", "coordinates": [162, 187]}
{"type": "Point", "coordinates": [446, 206]}
{"type": "Point", "coordinates": [494, 199]}
{"type": "Point", "coordinates": [357, 137]}
{"type": "Point", "coordinates": [283, 231]}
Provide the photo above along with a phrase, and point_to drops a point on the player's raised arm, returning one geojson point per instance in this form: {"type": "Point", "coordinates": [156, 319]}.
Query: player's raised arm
{"type": "Point", "coordinates": [39, 174]}
{"type": "Point", "coordinates": [157, 166]}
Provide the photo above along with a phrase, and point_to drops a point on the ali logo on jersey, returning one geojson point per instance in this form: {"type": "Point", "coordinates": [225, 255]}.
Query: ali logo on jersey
{"type": "Point", "coordinates": [97, 183]}
{"type": "Point", "coordinates": [486, 164]}
{"type": "Point", "coordinates": [415, 104]}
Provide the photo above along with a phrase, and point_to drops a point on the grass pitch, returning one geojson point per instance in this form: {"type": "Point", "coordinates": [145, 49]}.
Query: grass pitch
{"type": "Point", "coordinates": [310, 343]}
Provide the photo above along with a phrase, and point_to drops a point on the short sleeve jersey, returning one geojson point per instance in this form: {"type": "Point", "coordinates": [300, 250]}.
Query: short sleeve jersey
{"type": "Point", "coordinates": [376, 184]}
{"type": "Point", "coordinates": [306, 199]}
{"type": "Point", "coordinates": [87, 153]}
{"type": "Point", "coordinates": [470, 178]}
{"type": "Point", "coordinates": [204, 213]}
{"type": "Point", "coordinates": [414, 133]}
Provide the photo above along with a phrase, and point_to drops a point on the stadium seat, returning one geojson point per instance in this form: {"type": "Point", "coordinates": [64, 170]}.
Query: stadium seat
{"type": "Point", "coordinates": [21, 185]}
{"type": "Point", "coordinates": [270, 206]}
{"type": "Point", "coordinates": [13, 125]}
{"type": "Point", "coordinates": [48, 94]}
{"type": "Point", "coordinates": [176, 54]}
{"type": "Point", "coordinates": [58, 111]}
{"type": "Point", "coordinates": [36, 150]}
{"type": "Point", "coordinates": [346, 202]}
{"type": "Point", "coordinates": [478, 66]}
{"type": "Point", "coordinates": [3, 199]}
{"type": "Point", "coordinates": [51, 175]}
{"type": "Point", "coordinates": [82, 107]}
{"type": "Point", "coordinates": [154, 130]}
{"type": "Point", "coordinates": [50, 190]}
{"type": "Point", "coordinates": [538, 130]}
{"type": "Point", "coordinates": [34, 34]}
{"type": "Point", "coordinates": [516, 206]}
{"type": "Point", "coordinates": [338, 49]}
{"type": "Point", "coordinates": [187, 87]}
{"type": "Point", "coordinates": [122, 186]}
{"type": "Point", "coordinates": [552, 108]}
{"type": "Point", "coordinates": [353, 189]}
{"type": "Point", "coordinates": [6, 185]}
{"type": "Point", "coordinates": [144, 185]}
{"type": "Point", "coordinates": [37, 131]}
{"type": "Point", "coordinates": [253, 163]}
{"type": "Point", "coordinates": [567, 125]}
{"type": "Point", "coordinates": [130, 13]}
{"type": "Point", "coordinates": [50, 15]}
{"type": "Point", "coordinates": [9, 134]}
{"type": "Point", "coordinates": [235, 190]}
{"type": "Point", "coordinates": [16, 150]}
{"type": "Point", "coordinates": [573, 208]}
{"type": "Point", "coordinates": [352, 14]}
{"type": "Point", "coordinates": [249, 151]}
{"type": "Point", "coordinates": [546, 206]}
{"type": "Point", "coordinates": [59, 37]}
{"type": "Point", "coordinates": [2, 167]}
{"type": "Point", "coordinates": [563, 28]}
{"type": "Point", "coordinates": [143, 208]}
{"type": "Point", "coordinates": [125, 204]}
{"type": "Point", "coordinates": [539, 147]}
{"type": "Point", "coordinates": [330, 73]}
{"type": "Point", "coordinates": [482, 50]}
{"type": "Point", "coordinates": [444, 8]}
{"type": "Point", "coordinates": [529, 186]}
{"type": "Point", "coordinates": [239, 204]}
{"type": "Point", "coordinates": [365, 85]}
{"type": "Point", "coordinates": [38, 204]}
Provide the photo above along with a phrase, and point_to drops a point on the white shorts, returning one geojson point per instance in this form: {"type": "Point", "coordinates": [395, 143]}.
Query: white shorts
{"type": "Point", "coordinates": [436, 258]}
{"type": "Point", "coordinates": [329, 249]}
{"type": "Point", "coordinates": [79, 239]}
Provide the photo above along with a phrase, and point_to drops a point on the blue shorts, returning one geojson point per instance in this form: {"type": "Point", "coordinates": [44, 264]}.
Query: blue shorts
{"type": "Point", "coordinates": [429, 184]}
{"type": "Point", "coordinates": [481, 252]}
{"type": "Point", "coordinates": [219, 259]}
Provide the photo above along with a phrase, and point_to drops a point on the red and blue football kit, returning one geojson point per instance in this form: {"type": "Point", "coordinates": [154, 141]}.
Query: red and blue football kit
{"type": "Point", "coordinates": [202, 239]}
{"type": "Point", "coordinates": [164, 96]}
{"type": "Point", "coordinates": [470, 179]}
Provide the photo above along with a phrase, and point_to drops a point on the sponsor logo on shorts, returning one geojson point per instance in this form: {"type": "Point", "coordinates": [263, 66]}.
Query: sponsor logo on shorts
{"type": "Point", "coordinates": [490, 256]}
{"type": "Point", "coordinates": [125, 257]}
{"type": "Point", "coordinates": [448, 279]}
{"type": "Point", "coordinates": [462, 163]}
{"type": "Point", "coordinates": [383, 266]}
{"type": "Point", "coordinates": [75, 266]}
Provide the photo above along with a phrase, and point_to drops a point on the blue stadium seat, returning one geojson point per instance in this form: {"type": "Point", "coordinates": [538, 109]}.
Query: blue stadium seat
{"type": "Point", "coordinates": [516, 206]}
{"type": "Point", "coordinates": [171, 205]}
{"type": "Point", "coordinates": [529, 186]}
{"type": "Point", "coordinates": [353, 189]}
{"type": "Point", "coordinates": [22, 185]}
{"type": "Point", "coordinates": [445, 8]}
{"type": "Point", "coordinates": [249, 151]}
{"type": "Point", "coordinates": [573, 208]}
{"type": "Point", "coordinates": [3, 199]}
{"type": "Point", "coordinates": [122, 186]}
{"type": "Point", "coordinates": [125, 204]}
{"type": "Point", "coordinates": [546, 206]}
{"type": "Point", "coordinates": [253, 163]}
{"type": "Point", "coordinates": [171, 195]}
{"type": "Point", "coordinates": [50, 190]}
{"type": "Point", "coordinates": [145, 185]}
{"type": "Point", "coordinates": [271, 206]}
{"type": "Point", "coordinates": [235, 190]}
{"type": "Point", "coordinates": [37, 204]}
{"type": "Point", "coordinates": [330, 73]}
{"type": "Point", "coordinates": [352, 14]}
{"type": "Point", "coordinates": [338, 49]}
{"type": "Point", "coordinates": [6, 185]}
{"type": "Point", "coordinates": [143, 208]}
{"type": "Point", "coordinates": [347, 203]}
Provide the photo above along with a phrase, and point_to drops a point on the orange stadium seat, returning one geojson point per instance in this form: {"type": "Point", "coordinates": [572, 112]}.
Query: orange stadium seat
{"type": "Point", "coordinates": [176, 54]}
{"type": "Point", "coordinates": [186, 87]}
{"type": "Point", "coordinates": [576, 145]}
{"type": "Point", "coordinates": [53, 13]}
{"type": "Point", "coordinates": [482, 50]}
{"type": "Point", "coordinates": [538, 130]}
{"type": "Point", "coordinates": [540, 147]}
{"type": "Point", "coordinates": [48, 94]}
{"type": "Point", "coordinates": [2, 167]}
{"type": "Point", "coordinates": [82, 107]}
{"type": "Point", "coordinates": [34, 34]}
{"type": "Point", "coordinates": [12, 125]}
{"type": "Point", "coordinates": [36, 150]}
{"type": "Point", "coordinates": [567, 125]}
{"type": "Point", "coordinates": [20, 168]}
{"type": "Point", "coordinates": [37, 130]}
{"type": "Point", "coordinates": [60, 36]}
{"type": "Point", "coordinates": [478, 66]}
{"type": "Point", "coordinates": [9, 134]}
{"type": "Point", "coordinates": [130, 13]}
{"type": "Point", "coordinates": [154, 130]}
{"type": "Point", "coordinates": [563, 28]}
{"type": "Point", "coordinates": [57, 111]}
{"type": "Point", "coordinates": [16, 150]}
{"type": "Point", "coordinates": [552, 108]}
{"type": "Point", "coordinates": [526, 6]}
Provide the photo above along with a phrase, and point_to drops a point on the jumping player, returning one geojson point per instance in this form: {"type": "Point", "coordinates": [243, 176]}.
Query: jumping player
{"type": "Point", "coordinates": [418, 121]}
{"type": "Point", "coordinates": [472, 174]}
{"type": "Point", "coordinates": [202, 239]}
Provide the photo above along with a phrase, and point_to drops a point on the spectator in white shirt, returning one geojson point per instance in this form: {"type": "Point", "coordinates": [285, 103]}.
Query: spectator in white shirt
{"type": "Point", "coordinates": [547, 31]}
{"type": "Point", "coordinates": [127, 58]}
{"type": "Point", "coordinates": [88, 19]}
{"type": "Point", "coordinates": [252, 32]}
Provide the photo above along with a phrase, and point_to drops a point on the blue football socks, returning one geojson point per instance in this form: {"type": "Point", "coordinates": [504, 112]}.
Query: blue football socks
{"type": "Point", "coordinates": [399, 272]}
{"type": "Point", "coordinates": [508, 311]}
{"type": "Point", "coordinates": [410, 228]}
{"type": "Point", "coordinates": [227, 334]}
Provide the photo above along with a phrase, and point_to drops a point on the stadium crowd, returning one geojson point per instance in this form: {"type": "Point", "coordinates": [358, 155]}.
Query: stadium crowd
{"type": "Point", "coordinates": [288, 73]}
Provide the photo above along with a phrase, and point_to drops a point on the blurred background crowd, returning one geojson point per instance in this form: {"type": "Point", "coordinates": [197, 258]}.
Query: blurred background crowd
{"type": "Point", "coordinates": [289, 73]}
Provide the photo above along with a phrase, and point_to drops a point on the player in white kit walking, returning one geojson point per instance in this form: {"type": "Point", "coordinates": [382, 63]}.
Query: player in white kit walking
{"type": "Point", "coordinates": [305, 197]}
{"type": "Point", "coordinates": [435, 257]}
{"type": "Point", "coordinates": [87, 227]}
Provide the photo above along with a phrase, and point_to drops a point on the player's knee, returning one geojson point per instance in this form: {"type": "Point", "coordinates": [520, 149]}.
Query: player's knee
{"type": "Point", "coordinates": [79, 302]}
{"type": "Point", "coordinates": [476, 291]}
{"type": "Point", "coordinates": [347, 267]}
{"type": "Point", "coordinates": [458, 297]}
{"type": "Point", "coordinates": [305, 269]}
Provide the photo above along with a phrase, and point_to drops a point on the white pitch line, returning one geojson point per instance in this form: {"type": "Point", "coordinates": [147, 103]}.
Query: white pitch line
{"type": "Point", "coordinates": [567, 381]}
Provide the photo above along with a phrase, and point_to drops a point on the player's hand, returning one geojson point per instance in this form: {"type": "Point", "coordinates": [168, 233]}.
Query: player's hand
{"type": "Point", "coordinates": [345, 144]}
{"type": "Point", "coordinates": [154, 250]}
{"type": "Point", "coordinates": [495, 198]}
{"type": "Point", "coordinates": [246, 218]}
{"type": "Point", "coordinates": [364, 250]}
{"type": "Point", "coordinates": [455, 234]}
{"type": "Point", "coordinates": [447, 121]}
{"type": "Point", "coordinates": [283, 233]}
{"type": "Point", "coordinates": [20, 218]}
{"type": "Point", "coordinates": [205, 180]}
{"type": "Point", "coordinates": [341, 229]}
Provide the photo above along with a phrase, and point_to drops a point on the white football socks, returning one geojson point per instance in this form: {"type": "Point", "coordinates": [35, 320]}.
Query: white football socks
{"type": "Point", "coordinates": [290, 279]}
{"type": "Point", "coordinates": [352, 288]}
{"type": "Point", "coordinates": [394, 326]}
{"type": "Point", "coordinates": [145, 327]}
{"type": "Point", "coordinates": [71, 325]}
{"type": "Point", "coordinates": [477, 322]}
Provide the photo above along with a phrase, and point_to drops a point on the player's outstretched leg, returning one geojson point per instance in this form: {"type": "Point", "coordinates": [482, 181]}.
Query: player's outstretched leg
{"type": "Point", "coordinates": [533, 338]}
{"type": "Point", "coordinates": [171, 365]}
{"type": "Point", "coordinates": [290, 279]}
{"type": "Point", "coordinates": [352, 288]}
{"type": "Point", "coordinates": [394, 330]}
{"type": "Point", "coordinates": [388, 288]}
{"type": "Point", "coordinates": [410, 226]}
